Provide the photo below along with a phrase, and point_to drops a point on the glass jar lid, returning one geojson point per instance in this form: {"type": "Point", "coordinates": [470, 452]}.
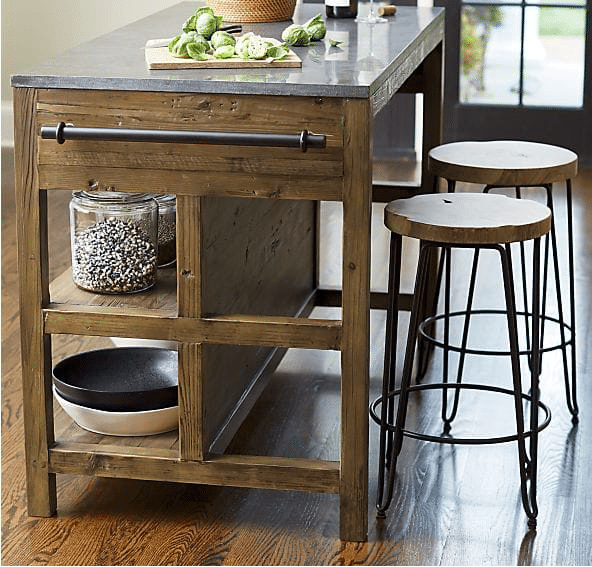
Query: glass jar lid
{"type": "Point", "coordinates": [165, 198]}
{"type": "Point", "coordinates": [112, 197]}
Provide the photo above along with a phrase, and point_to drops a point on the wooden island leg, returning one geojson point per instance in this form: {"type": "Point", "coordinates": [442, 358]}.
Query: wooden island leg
{"type": "Point", "coordinates": [356, 322]}
{"type": "Point", "coordinates": [192, 442]}
{"type": "Point", "coordinates": [432, 136]}
{"type": "Point", "coordinates": [31, 210]}
{"type": "Point", "coordinates": [432, 112]}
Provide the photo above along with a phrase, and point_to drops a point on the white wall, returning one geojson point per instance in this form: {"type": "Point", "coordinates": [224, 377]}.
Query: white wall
{"type": "Point", "coordinates": [35, 30]}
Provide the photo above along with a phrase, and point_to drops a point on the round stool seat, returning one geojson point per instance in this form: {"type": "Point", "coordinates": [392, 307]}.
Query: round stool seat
{"type": "Point", "coordinates": [503, 163]}
{"type": "Point", "coordinates": [468, 218]}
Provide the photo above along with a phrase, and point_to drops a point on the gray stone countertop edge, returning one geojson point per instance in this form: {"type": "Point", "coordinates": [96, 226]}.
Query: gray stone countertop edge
{"type": "Point", "coordinates": [189, 86]}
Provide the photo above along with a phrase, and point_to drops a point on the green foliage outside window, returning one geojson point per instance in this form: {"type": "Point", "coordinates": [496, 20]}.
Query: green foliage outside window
{"type": "Point", "coordinates": [556, 21]}
{"type": "Point", "coordinates": [476, 25]}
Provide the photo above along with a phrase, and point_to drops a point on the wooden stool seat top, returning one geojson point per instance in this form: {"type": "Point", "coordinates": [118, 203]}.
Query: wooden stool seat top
{"type": "Point", "coordinates": [468, 218]}
{"type": "Point", "coordinates": [504, 163]}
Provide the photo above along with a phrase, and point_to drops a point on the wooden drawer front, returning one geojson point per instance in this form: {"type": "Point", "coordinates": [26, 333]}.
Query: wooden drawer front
{"type": "Point", "coordinates": [205, 163]}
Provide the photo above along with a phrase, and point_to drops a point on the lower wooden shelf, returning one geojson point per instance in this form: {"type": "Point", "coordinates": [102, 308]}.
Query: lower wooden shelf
{"type": "Point", "coordinates": [156, 457]}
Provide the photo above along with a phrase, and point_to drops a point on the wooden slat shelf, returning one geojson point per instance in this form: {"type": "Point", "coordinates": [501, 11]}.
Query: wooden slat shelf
{"type": "Point", "coordinates": [247, 330]}
{"type": "Point", "coordinates": [247, 471]}
{"type": "Point", "coordinates": [162, 297]}
{"type": "Point", "coordinates": [152, 457]}
{"type": "Point", "coordinates": [152, 315]}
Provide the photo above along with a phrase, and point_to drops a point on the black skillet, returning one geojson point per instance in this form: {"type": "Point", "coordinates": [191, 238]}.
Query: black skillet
{"type": "Point", "coordinates": [119, 379]}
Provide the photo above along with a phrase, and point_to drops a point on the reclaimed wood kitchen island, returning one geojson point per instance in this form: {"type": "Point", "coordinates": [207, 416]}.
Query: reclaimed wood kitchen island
{"type": "Point", "coordinates": [104, 84]}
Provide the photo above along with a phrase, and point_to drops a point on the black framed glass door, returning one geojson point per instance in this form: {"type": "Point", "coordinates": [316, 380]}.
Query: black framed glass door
{"type": "Point", "coordinates": [520, 69]}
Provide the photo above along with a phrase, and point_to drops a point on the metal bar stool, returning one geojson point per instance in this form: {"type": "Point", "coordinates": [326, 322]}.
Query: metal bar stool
{"type": "Point", "coordinates": [461, 220]}
{"type": "Point", "coordinates": [507, 164]}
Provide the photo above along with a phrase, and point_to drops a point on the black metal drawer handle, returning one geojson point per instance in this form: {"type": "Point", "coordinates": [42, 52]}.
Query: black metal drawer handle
{"type": "Point", "coordinates": [303, 140]}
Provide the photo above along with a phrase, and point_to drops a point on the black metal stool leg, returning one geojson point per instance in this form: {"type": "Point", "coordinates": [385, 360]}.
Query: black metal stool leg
{"type": "Point", "coordinates": [560, 315]}
{"type": "Point", "coordinates": [390, 363]}
{"type": "Point", "coordinates": [572, 399]}
{"type": "Point", "coordinates": [534, 382]}
{"type": "Point", "coordinates": [527, 460]}
{"type": "Point", "coordinates": [423, 347]}
{"type": "Point", "coordinates": [384, 502]}
{"type": "Point", "coordinates": [446, 339]}
{"type": "Point", "coordinates": [518, 194]}
{"type": "Point", "coordinates": [544, 292]}
{"type": "Point", "coordinates": [569, 374]}
{"type": "Point", "coordinates": [392, 330]}
{"type": "Point", "coordinates": [465, 336]}
{"type": "Point", "coordinates": [524, 286]}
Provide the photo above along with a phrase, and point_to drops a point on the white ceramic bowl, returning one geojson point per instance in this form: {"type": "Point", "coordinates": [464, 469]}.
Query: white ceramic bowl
{"type": "Point", "coordinates": [127, 342]}
{"type": "Point", "coordinates": [124, 424]}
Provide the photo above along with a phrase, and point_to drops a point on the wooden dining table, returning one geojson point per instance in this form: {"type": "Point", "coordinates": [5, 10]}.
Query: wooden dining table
{"type": "Point", "coordinates": [249, 154]}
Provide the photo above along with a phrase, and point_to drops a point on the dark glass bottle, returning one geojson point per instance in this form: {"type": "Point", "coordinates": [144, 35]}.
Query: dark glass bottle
{"type": "Point", "coordinates": [341, 8]}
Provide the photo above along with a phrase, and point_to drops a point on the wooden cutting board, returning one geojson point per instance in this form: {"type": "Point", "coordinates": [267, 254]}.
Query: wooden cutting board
{"type": "Point", "coordinates": [158, 57]}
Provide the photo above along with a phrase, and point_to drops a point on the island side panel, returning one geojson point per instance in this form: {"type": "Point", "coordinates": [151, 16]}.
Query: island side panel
{"type": "Point", "coordinates": [258, 258]}
{"type": "Point", "coordinates": [267, 266]}
{"type": "Point", "coordinates": [31, 211]}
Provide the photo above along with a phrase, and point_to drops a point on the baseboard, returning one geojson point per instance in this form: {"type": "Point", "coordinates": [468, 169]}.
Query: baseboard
{"type": "Point", "coordinates": [7, 129]}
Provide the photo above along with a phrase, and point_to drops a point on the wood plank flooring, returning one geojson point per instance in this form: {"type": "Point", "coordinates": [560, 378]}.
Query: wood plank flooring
{"type": "Point", "coordinates": [453, 505]}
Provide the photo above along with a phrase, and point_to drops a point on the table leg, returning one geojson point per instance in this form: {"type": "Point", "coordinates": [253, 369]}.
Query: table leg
{"type": "Point", "coordinates": [356, 322]}
{"type": "Point", "coordinates": [192, 442]}
{"type": "Point", "coordinates": [432, 112]}
{"type": "Point", "coordinates": [31, 210]}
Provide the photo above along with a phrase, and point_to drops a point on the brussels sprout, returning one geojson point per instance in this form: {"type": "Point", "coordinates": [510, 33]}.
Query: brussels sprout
{"type": "Point", "coordinates": [197, 51]}
{"type": "Point", "coordinates": [242, 49]}
{"type": "Point", "coordinates": [224, 52]}
{"type": "Point", "coordinates": [178, 47]}
{"type": "Point", "coordinates": [242, 45]}
{"type": "Point", "coordinates": [296, 35]}
{"type": "Point", "coordinates": [252, 46]}
{"type": "Point", "coordinates": [221, 38]}
{"type": "Point", "coordinates": [317, 31]}
{"type": "Point", "coordinates": [204, 10]}
{"type": "Point", "coordinates": [318, 18]}
{"type": "Point", "coordinates": [257, 49]}
{"type": "Point", "coordinates": [189, 24]}
{"type": "Point", "coordinates": [277, 52]}
{"type": "Point", "coordinates": [316, 28]}
{"type": "Point", "coordinates": [173, 42]}
{"type": "Point", "coordinates": [206, 24]}
{"type": "Point", "coordinates": [199, 39]}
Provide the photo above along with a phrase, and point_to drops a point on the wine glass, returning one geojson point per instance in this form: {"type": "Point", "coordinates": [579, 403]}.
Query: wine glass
{"type": "Point", "coordinates": [369, 65]}
{"type": "Point", "coordinates": [372, 17]}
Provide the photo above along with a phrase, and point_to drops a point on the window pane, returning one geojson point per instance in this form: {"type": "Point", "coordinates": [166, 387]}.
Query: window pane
{"type": "Point", "coordinates": [554, 56]}
{"type": "Point", "coordinates": [491, 2]}
{"type": "Point", "coordinates": [554, 2]}
{"type": "Point", "coordinates": [490, 54]}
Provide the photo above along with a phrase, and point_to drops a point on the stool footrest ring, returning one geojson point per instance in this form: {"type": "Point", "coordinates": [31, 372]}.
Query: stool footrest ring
{"type": "Point", "coordinates": [453, 348]}
{"type": "Point", "coordinates": [460, 440]}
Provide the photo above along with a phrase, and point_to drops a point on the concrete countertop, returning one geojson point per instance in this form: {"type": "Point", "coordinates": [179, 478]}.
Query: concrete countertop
{"type": "Point", "coordinates": [368, 57]}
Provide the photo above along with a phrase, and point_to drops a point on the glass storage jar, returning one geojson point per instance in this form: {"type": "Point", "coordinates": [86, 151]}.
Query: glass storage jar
{"type": "Point", "coordinates": [167, 230]}
{"type": "Point", "coordinates": [114, 241]}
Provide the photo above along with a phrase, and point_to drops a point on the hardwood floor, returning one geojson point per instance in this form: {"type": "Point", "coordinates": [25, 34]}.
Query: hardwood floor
{"type": "Point", "coordinates": [453, 505]}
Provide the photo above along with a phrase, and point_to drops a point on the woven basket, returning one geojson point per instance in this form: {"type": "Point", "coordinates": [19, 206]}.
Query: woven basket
{"type": "Point", "coordinates": [253, 10]}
